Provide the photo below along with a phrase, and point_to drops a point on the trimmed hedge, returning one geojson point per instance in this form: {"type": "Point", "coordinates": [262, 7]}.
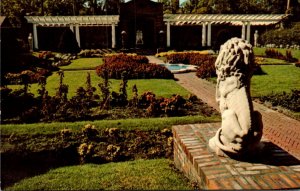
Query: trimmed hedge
{"type": "Point", "coordinates": [136, 67]}
{"type": "Point", "coordinates": [189, 58]}
{"type": "Point", "coordinates": [290, 101]}
{"type": "Point", "coordinates": [205, 62]}
{"type": "Point", "coordinates": [206, 70]}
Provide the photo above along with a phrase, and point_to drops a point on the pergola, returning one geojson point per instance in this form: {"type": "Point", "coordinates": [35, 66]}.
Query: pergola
{"type": "Point", "coordinates": [71, 21]}
{"type": "Point", "coordinates": [211, 19]}
{"type": "Point", "coordinates": [206, 20]}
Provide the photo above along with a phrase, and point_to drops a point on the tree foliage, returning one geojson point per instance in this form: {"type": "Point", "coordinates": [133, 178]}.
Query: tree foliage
{"type": "Point", "coordinates": [239, 6]}
{"type": "Point", "coordinates": [16, 9]}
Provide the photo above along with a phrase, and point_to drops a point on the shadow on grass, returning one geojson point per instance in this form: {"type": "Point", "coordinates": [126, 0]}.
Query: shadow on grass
{"type": "Point", "coordinates": [17, 168]}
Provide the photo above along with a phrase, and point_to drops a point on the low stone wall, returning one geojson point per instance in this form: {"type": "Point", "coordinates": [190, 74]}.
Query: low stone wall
{"type": "Point", "coordinates": [274, 168]}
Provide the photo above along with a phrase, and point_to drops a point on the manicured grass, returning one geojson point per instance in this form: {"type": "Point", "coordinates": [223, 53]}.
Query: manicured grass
{"type": "Point", "coordinates": [261, 52]}
{"type": "Point", "coordinates": [126, 124]}
{"type": "Point", "coordinates": [83, 64]}
{"type": "Point", "coordinates": [272, 61]}
{"type": "Point", "coordinates": [75, 79]}
{"type": "Point", "coordinates": [138, 175]}
{"type": "Point", "coordinates": [278, 79]}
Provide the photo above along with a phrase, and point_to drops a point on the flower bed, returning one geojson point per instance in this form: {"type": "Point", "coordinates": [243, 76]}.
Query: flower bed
{"type": "Point", "coordinates": [189, 58]}
{"type": "Point", "coordinates": [273, 53]}
{"type": "Point", "coordinates": [136, 67]}
{"type": "Point", "coordinates": [289, 101]}
{"type": "Point", "coordinates": [30, 71]}
{"type": "Point", "coordinates": [88, 105]}
{"type": "Point", "coordinates": [90, 145]}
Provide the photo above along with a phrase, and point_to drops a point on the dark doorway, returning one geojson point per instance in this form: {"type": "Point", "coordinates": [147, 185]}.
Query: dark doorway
{"type": "Point", "coordinates": [142, 20]}
{"type": "Point", "coordinates": [141, 33]}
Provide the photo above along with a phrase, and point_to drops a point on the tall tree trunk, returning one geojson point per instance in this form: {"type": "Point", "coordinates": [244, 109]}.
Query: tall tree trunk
{"type": "Point", "coordinates": [42, 4]}
{"type": "Point", "coordinates": [74, 7]}
{"type": "Point", "coordinates": [288, 6]}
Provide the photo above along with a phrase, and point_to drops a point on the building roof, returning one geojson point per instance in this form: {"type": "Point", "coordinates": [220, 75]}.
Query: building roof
{"type": "Point", "coordinates": [233, 19]}
{"type": "Point", "coordinates": [174, 19]}
{"type": "Point", "coordinates": [55, 21]}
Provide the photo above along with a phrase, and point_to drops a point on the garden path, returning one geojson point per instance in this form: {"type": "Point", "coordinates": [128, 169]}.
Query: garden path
{"type": "Point", "coordinates": [278, 128]}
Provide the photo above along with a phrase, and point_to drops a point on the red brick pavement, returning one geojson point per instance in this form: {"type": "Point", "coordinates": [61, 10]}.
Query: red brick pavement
{"type": "Point", "coordinates": [273, 168]}
{"type": "Point", "coordinates": [278, 128]}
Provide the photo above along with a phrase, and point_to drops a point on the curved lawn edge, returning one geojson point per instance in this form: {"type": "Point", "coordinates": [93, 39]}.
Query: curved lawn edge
{"type": "Point", "coordinates": [125, 124]}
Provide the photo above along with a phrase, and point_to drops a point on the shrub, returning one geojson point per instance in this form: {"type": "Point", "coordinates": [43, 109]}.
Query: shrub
{"type": "Point", "coordinates": [203, 52]}
{"type": "Point", "coordinates": [89, 131]}
{"type": "Point", "coordinates": [189, 58]}
{"type": "Point", "coordinates": [173, 106]}
{"type": "Point", "coordinates": [289, 36]}
{"type": "Point", "coordinates": [290, 101]}
{"type": "Point", "coordinates": [206, 70]}
{"type": "Point", "coordinates": [54, 149]}
{"type": "Point", "coordinates": [134, 66]}
{"type": "Point", "coordinates": [89, 53]}
{"type": "Point", "coordinates": [18, 104]}
{"type": "Point", "coordinates": [85, 152]}
{"type": "Point", "coordinates": [272, 53]}
{"type": "Point", "coordinates": [258, 70]}
{"type": "Point", "coordinates": [297, 64]}
{"type": "Point", "coordinates": [126, 58]}
{"type": "Point", "coordinates": [65, 133]}
{"type": "Point", "coordinates": [289, 57]}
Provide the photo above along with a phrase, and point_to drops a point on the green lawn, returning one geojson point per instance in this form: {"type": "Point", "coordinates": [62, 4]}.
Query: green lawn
{"type": "Point", "coordinates": [278, 79]}
{"type": "Point", "coordinates": [261, 52]}
{"type": "Point", "coordinates": [272, 61]}
{"type": "Point", "coordinates": [75, 79]}
{"type": "Point", "coordinates": [125, 124]}
{"type": "Point", "coordinates": [138, 175]}
{"type": "Point", "coordinates": [83, 64]}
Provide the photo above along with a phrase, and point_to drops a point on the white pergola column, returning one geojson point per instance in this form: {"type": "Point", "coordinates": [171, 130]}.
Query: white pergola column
{"type": "Point", "coordinates": [243, 31]}
{"type": "Point", "coordinates": [204, 34]}
{"type": "Point", "coordinates": [77, 35]}
{"type": "Point", "coordinates": [168, 34]}
{"type": "Point", "coordinates": [248, 31]}
{"type": "Point", "coordinates": [209, 34]}
{"type": "Point", "coordinates": [113, 35]}
{"type": "Point", "coordinates": [35, 37]}
{"type": "Point", "coordinates": [72, 27]}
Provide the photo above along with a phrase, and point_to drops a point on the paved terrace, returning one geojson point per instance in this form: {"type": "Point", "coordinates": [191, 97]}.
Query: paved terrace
{"type": "Point", "coordinates": [278, 128]}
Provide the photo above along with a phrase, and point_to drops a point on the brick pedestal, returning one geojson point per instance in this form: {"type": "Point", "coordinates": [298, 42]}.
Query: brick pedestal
{"type": "Point", "coordinates": [274, 168]}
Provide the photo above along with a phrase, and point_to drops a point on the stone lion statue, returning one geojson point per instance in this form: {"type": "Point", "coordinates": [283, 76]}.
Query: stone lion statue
{"type": "Point", "coordinates": [241, 128]}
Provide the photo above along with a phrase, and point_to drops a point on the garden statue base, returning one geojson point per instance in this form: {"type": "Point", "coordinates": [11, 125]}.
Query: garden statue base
{"type": "Point", "coordinates": [273, 168]}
